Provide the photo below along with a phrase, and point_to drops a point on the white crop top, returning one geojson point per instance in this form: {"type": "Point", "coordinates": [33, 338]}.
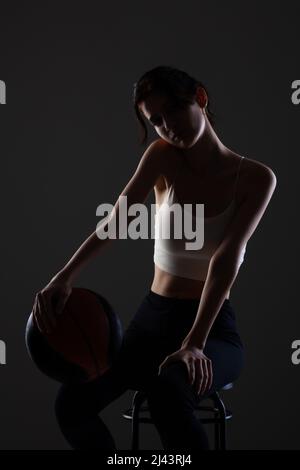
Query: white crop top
{"type": "Point", "coordinates": [171, 255]}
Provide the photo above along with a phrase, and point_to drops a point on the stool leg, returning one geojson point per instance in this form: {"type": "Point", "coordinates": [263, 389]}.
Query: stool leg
{"type": "Point", "coordinates": [135, 428]}
{"type": "Point", "coordinates": [222, 420]}
{"type": "Point", "coordinates": [223, 433]}
{"type": "Point", "coordinates": [217, 430]}
{"type": "Point", "coordinates": [138, 399]}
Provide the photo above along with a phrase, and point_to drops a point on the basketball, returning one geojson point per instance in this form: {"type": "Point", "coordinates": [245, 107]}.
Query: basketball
{"type": "Point", "coordinates": [84, 343]}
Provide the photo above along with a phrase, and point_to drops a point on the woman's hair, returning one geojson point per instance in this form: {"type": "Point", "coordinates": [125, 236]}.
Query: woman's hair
{"type": "Point", "coordinates": [178, 85]}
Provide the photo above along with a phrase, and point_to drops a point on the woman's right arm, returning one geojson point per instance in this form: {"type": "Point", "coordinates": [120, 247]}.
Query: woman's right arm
{"type": "Point", "coordinates": [50, 301]}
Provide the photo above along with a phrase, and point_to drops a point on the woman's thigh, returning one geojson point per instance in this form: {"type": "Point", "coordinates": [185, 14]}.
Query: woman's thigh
{"type": "Point", "coordinates": [139, 357]}
{"type": "Point", "coordinates": [76, 401]}
{"type": "Point", "coordinates": [158, 329]}
{"type": "Point", "coordinates": [173, 384]}
{"type": "Point", "coordinates": [227, 361]}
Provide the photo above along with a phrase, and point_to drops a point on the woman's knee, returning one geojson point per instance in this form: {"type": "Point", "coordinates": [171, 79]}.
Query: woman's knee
{"type": "Point", "coordinates": [67, 406]}
{"type": "Point", "coordinates": [170, 389]}
{"type": "Point", "coordinates": [77, 402]}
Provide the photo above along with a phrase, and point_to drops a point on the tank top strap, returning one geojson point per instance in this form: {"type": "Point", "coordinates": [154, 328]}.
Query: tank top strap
{"type": "Point", "coordinates": [237, 177]}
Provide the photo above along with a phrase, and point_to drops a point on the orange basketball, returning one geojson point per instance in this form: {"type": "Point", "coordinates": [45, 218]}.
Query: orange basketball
{"type": "Point", "coordinates": [84, 343]}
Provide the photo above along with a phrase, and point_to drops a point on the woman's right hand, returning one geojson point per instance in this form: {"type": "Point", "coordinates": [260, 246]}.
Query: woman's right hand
{"type": "Point", "coordinates": [50, 302]}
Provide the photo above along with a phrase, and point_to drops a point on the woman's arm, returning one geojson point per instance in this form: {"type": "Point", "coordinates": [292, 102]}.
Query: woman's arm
{"type": "Point", "coordinates": [136, 191]}
{"type": "Point", "coordinates": [223, 269]}
{"type": "Point", "coordinates": [224, 265]}
{"type": "Point", "coordinates": [50, 301]}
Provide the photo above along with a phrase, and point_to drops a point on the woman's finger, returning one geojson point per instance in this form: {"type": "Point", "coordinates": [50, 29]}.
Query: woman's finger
{"type": "Point", "coordinates": [34, 307]}
{"type": "Point", "coordinates": [192, 372]}
{"type": "Point", "coordinates": [205, 376]}
{"type": "Point", "coordinates": [197, 374]}
{"type": "Point", "coordinates": [201, 373]}
{"type": "Point", "coordinates": [210, 372]}
{"type": "Point", "coordinates": [38, 317]}
{"type": "Point", "coordinates": [50, 310]}
{"type": "Point", "coordinates": [47, 311]}
{"type": "Point", "coordinates": [35, 312]}
{"type": "Point", "coordinates": [42, 317]}
{"type": "Point", "coordinates": [163, 364]}
{"type": "Point", "coordinates": [61, 304]}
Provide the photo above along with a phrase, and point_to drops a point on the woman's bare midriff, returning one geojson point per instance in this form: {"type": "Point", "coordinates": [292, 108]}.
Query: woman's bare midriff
{"type": "Point", "coordinates": [168, 285]}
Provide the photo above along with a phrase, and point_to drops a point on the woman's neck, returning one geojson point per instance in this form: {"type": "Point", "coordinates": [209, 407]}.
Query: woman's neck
{"type": "Point", "coordinates": [207, 153]}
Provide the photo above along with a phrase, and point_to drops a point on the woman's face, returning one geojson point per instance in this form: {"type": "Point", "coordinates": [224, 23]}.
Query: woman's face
{"type": "Point", "coordinates": [179, 124]}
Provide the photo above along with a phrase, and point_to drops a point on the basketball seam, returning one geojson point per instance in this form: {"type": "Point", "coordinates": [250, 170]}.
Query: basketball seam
{"type": "Point", "coordinates": [90, 347]}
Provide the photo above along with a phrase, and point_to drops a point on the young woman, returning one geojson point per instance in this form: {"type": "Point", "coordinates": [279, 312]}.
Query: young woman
{"type": "Point", "coordinates": [183, 342]}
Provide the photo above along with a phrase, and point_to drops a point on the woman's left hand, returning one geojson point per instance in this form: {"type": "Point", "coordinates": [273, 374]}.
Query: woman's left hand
{"type": "Point", "coordinates": [198, 365]}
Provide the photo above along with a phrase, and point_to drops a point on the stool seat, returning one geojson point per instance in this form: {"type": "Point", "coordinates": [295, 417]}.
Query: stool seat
{"type": "Point", "coordinates": [220, 414]}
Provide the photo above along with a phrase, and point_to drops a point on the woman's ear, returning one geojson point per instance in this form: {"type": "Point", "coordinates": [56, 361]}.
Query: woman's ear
{"type": "Point", "coordinates": [201, 97]}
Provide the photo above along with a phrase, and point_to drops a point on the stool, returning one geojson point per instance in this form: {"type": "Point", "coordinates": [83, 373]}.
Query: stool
{"type": "Point", "coordinates": [218, 410]}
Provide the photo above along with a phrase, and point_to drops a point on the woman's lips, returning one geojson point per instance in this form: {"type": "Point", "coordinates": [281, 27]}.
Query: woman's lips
{"type": "Point", "coordinates": [178, 137]}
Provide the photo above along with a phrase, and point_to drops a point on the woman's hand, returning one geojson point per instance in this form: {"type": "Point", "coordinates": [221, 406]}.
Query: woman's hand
{"type": "Point", "coordinates": [50, 302]}
{"type": "Point", "coordinates": [198, 365]}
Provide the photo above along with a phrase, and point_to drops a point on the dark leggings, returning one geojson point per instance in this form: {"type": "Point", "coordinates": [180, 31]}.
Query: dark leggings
{"type": "Point", "coordinates": [157, 330]}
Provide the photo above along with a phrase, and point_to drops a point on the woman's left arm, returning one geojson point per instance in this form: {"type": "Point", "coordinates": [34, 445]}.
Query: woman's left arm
{"type": "Point", "coordinates": [223, 269]}
{"type": "Point", "coordinates": [224, 265]}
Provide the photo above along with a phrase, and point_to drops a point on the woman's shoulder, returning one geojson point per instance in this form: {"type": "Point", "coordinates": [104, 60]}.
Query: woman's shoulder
{"type": "Point", "coordinates": [252, 172]}
{"type": "Point", "coordinates": [255, 172]}
{"type": "Point", "coordinates": [255, 178]}
{"type": "Point", "coordinates": [257, 167]}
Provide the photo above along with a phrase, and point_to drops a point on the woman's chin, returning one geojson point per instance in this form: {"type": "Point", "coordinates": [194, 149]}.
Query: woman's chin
{"type": "Point", "coordinates": [181, 142]}
{"type": "Point", "coordinates": [184, 142]}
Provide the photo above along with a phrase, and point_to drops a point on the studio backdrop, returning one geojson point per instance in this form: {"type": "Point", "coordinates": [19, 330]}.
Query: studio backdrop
{"type": "Point", "coordinates": [69, 141]}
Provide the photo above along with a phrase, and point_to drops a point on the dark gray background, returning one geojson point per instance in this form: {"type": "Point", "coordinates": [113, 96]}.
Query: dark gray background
{"type": "Point", "coordinates": [69, 142]}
